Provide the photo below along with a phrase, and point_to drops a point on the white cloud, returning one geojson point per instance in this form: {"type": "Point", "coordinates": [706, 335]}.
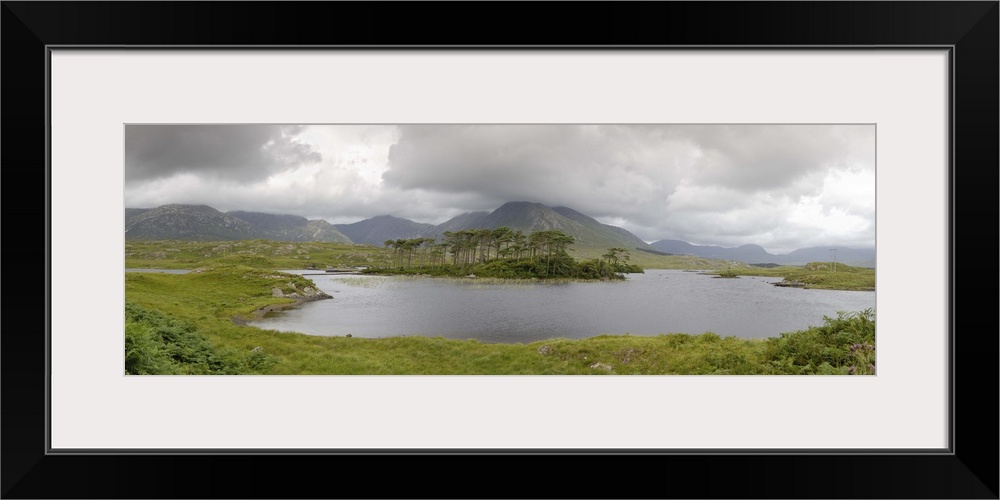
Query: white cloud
{"type": "Point", "coordinates": [785, 186]}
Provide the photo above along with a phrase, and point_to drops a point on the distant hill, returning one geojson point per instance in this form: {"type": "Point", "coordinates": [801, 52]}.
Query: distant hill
{"type": "Point", "coordinates": [187, 222]}
{"type": "Point", "coordinates": [204, 223]}
{"type": "Point", "coordinates": [861, 257]}
{"type": "Point", "coordinates": [377, 230]}
{"type": "Point", "coordinates": [201, 222]}
{"type": "Point", "coordinates": [531, 217]}
{"type": "Point", "coordinates": [133, 214]}
{"type": "Point", "coordinates": [631, 240]}
{"type": "Point", "coordinates": [518, 215]}
{"type": "Point", "coordinates": [468, 220]}
{"type": "Point", "coordinates": [292, 227]}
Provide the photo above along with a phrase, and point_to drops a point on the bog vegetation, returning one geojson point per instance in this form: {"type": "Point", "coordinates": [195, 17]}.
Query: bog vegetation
{"type": "Point", "coordinates": [194, 323]}
{"type": "Point", "coordinates": [824, 275]}
{"type": "Point", "coordinates": [184, 324]}
{"type": "Point", "coordinates": [179, 254]}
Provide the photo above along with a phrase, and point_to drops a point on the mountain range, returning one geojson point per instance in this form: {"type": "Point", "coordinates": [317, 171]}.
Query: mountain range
{"type": "Point", "coordinates": [531, 217]}
{"type": "Point", "coordinates": [755, 254]}
{"type": "Point", "coordinates": [204, 223]}
{"type": "Point", "coordinates": [377, 230]}
{"type": "Point", "coordinates": [201, 222]}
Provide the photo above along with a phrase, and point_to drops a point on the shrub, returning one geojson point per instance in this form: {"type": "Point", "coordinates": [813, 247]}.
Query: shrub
{"type": "Point", "coordinates": [156, 344]}
{"type": "Point", "coordinates": [838, 343]}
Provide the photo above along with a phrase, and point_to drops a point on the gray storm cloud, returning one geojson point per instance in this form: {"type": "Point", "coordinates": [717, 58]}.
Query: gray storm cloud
{"type": "Point", "coordinates": [229, 152]}
{"type": "Point", "coordinates": [497, 162]}
{"type": "Point", "coordinates": [779, 186]}
{"type": "Point", "coordinates": [629, 171]}
{"type": "Point", "coordinates": [772, 157]}
{"type": "Point", "coordinates": [592, 167]}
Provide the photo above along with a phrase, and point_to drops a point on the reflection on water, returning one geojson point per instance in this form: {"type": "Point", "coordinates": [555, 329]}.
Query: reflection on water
{"type": "Point", "coordinates": [659, 301]}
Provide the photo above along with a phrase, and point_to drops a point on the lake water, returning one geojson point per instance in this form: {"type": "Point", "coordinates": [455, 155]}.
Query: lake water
{"type": "Point", "coordinates": [659, 301]}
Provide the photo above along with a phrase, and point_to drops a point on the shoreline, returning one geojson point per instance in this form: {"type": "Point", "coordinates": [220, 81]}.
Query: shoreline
{"type": "Point", "coordinates": [486, 279]}
{"type": "Point", "coordinates": [242, 320]}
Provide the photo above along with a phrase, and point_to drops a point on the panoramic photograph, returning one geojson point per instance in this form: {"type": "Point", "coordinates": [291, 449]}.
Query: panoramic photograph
{"type": "Point", "coordinates": [499, 249]}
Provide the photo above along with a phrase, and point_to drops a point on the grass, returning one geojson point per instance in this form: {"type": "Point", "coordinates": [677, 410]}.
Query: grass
{"type": "Point", "coordinates": [173, 254]}
{"type": "Point", "coordinates": [183, 324]}
{"type": "Point", "coordinates": [176, 254]}
{"type": "Point", "coordinates": [813, 275]}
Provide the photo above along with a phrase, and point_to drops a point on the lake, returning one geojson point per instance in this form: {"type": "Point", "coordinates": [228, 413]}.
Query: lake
{"type": "Point", "coordinates": [659, 301]}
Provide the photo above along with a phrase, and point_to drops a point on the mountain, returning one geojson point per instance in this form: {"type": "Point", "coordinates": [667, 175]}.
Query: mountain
{"type": "Point", "coordinates": [187, 222]}
{"type": "Point", "coordinates": [755, 254]}
{"type": "Point", "coordinates": [744, 253]}
{"type": "Point", "coordinates": [632, 240]}
{"type": "Point", "coordinates": [861, 257]}
{"type": "Point", "coordinates": [468, 220]}
{"type": "Point", "coordinates": [202, 222]}
{"type": "Point", "coordinates": [679, 247]}
{"type": "Point", "coordinates": [518, 215]}
{"type": "Point", "coordinates": [377, 230]}
{"type": "Point", "coordinates": [292, 227]}
{"type": "Point", "coordinates": [531, 217]}
{"type": "Point", "coordinates": [133, 214]}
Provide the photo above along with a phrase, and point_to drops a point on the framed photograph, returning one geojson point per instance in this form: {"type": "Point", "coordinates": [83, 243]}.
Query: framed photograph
{"type": "Point", "coordinates": [896, 103]}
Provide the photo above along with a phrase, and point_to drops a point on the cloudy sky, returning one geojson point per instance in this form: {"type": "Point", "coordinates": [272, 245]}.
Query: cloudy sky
{"type": "Point", "coordinates": [779, 186]}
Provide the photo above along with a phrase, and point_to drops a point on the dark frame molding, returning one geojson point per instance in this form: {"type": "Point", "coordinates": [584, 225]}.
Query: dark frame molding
{"type": "Point", "coordinates": [968, 470]}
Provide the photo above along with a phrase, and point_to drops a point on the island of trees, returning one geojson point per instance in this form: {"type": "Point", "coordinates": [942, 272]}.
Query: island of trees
{"type": "Point", "coordinates": [195, 323]}
{"type": "Point", "coordinates": [501, 253]}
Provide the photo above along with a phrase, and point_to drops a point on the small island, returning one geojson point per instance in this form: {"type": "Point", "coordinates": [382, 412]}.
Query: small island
{"type": "Point", "coordinates": [196, 322]}
{"type": "Point", "coordinates": [503, 254]}
{"type": "Point", "coordinates": [498, 249]}
{"type": "Point", "coordinates": [819, 275]}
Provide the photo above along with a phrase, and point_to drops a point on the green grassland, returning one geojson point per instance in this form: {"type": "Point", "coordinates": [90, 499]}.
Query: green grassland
{"type": "Point", "coordinates": [649, 260]}
{"type": "Point", "coordinates": [184, 324]}
{"type": "Point", "coordinates": [825, 275]}
{"type": "Point", "coordinates": [174, 254]}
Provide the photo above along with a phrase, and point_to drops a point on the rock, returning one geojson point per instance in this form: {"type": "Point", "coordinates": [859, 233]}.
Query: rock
{"type": "Point", "coordinates": [348, 335]}
{"type": "Point", "coordinates": [601, 366]}
{"type": "Point", "coordinates": [276, 292]}
{"type": "Point", "coordinates": [627, 356]}
{"type": "Point", "coordinates": [544, 350]}
{"type": "Point", "coordinates": [793, 283]}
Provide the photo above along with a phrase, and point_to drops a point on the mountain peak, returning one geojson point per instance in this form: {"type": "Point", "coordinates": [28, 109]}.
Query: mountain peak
{"type": "Point", "coordinates": [520, 207]}
{"type": "Point", "coordinates": [186, 207]}
{"type": "Point", "coordinates": [202, 222]}
{"type": "Point", "coordinates": [528, 217]}
{"type": "Point", "coordinates": [755, 254]}
{"type": "Point", "coordinates": [519, 204]}
{"type": "Point", "coordinates": [378, 229]}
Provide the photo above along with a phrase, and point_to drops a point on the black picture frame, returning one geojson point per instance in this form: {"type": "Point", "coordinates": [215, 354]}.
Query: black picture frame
{"type": "Point", "coordinates": [970, 29]}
